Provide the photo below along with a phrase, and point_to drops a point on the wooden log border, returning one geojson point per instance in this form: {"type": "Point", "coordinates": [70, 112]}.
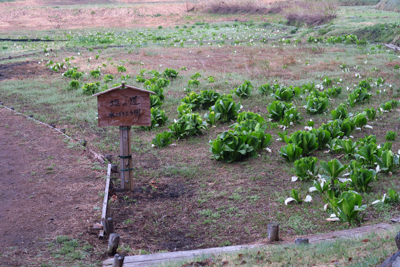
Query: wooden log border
{"type": "Point", "coordinates": [105, 203]}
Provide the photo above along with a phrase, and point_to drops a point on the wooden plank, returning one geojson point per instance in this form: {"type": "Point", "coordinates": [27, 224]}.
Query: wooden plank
{"type": "Point", "coordinates": [121, 87]}
{"type": "Point", "coordinates": [124, 107]}
{"type": "Point", "coordinates": [156, 259]}
{"type": "Point", "coordinates": [126, 163]}
{"type": "Point", "coordinates": [105, 201]}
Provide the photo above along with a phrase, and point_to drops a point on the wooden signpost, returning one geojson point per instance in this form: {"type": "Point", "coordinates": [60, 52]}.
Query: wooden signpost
{"type": "Point", "coordinates": [124, 106]}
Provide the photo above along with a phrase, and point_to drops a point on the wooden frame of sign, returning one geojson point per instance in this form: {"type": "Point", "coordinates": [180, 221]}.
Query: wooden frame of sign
{"type": "Point", "coordinates": [124, 106]}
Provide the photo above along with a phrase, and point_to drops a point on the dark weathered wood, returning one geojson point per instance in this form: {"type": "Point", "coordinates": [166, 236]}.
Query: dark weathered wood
{"type": "Point", "coordinates": [114, 168]}
{"type": "Point", "coordinates": [105, 203]}
{"type": "Point", "coordinates": [109, 226]}
{"type": "Point", "coordinates": [160, 258]}
{"type": "Point", "coordinates": [126, 163]}
{"type": "Point", "coordinates": [124, 107]}
{"type": "Point", "coordinates": [301, 241]}
{"type": "Point", "coordinates": [113, 242]}
{"type": "Point", "coordinates": [118, 260]}
{"type": "Point", "coordinates": [273, 232]}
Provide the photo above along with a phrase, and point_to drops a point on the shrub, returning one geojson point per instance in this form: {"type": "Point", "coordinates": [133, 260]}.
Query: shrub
{"type": "Point", "coordinates": [305, 168]}
{"type": "Point", "coordinates": [73, 73]}
{"type": "Point", "coordinates": [340, 112]}
{"type": "Point", "coordinates": [121, 68]}
{"type": "Point", "coordinates": [193, 100]}
{"type": "Point", "coordinates": [391, 136]}
{"type": "Point", "coordinates": [170, 73]}
{"type": "Point", "coordinates": [277, 110]}
{"type": "Point", "coordinates": [74, 84]}
{"type": "Point", "coordinates": [95, 73]}
{"type": "Point", "coordinates": [291, 152]}
{"type": "Point", "coordinates": [91, 88]}
{"type": "Point", "coordinates": [317, 105]}
{"type": "Point", "coordinates": [108, 78]}
{"type": "Point", "coordinates": [265, 89]}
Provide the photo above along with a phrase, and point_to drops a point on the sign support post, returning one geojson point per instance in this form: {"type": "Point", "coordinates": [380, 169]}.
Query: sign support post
{"type": "Point", "coordinates": [124, 106]}
{"type": "Point", "coordinates": [126, 157]}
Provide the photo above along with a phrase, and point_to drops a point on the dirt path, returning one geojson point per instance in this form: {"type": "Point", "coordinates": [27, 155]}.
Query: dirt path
{"type": "Point", "coordinates": [46, 190]}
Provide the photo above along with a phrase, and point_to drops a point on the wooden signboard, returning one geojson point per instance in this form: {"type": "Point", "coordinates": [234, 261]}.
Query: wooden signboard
{"type": "Point", "coordinates": [124, 106]}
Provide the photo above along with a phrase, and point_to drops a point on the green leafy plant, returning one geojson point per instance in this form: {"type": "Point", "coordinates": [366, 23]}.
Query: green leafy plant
{"type": "Point", "coordinates": [388, 161]}
{"type": "Point", "coordinates": [291, 152]}
{"type": "Point", "coordinates": [91, 88]}
{"type": "Point", "coordinates": [108, 78]}
{"type": "Point", "coordinates": [366, 154]}
{"type": "Point", "coordinates": [208, 98]}
{"type": "Point", "coordinates": [195, 76]}
{"type": "Point", "coordinates": [333, 168]}
{"type": "Point", "coordinates": [162, 139]}
{"type": "Point", "coordinates": [183, 109]}
{"type": "Point", "coordinates": [226, 109]}
{"type": "Point", "coordinates": [317, 105]}
{"type": "Point", "coordinates": [277, 110]}
{"type": "Point", "coordinates": [74, 84]}
{"type": "Point", "coordinates": [231, 146]}
{"type": "Point", "coordinates": [327, 81]}
{"type": "Point", "coordinates": [158, 118]}
{"type": "Point", "coordinates": [188, 125]}
{"type": "Point", "coordinates": [249, 116]}
{"type": "Point", "coordinates": [332, 92]}
{"type": "Point", "coordinates": [305, 168]}
{"type": "Point", "coordinates": [360, 120]}
{"type": "Point", "coordinates": [390, 135]}
{"type": "Point", "coordinates": [155, 101]}
{"type": "Point", "coordinates": [361, 178]}
{"type": "Point", "coordinates": [323, 137]}
{"type": "Point", "coordinates": [170, 73]}
{"type": "Point", "coordinates": [73, 73]}
{"type": "Point", "coordinates": [284, 94]}
{"type": "Point", "coordinates": [265, 89]}
{"type": "Point", "coordinates": [244, 90]}
{"type": "Point", "coordinates": [371, 113]}
{"type": "Point", "coordinates": [296, 197]}
{"type": "Point", "coordinates": [307, 141]}
{"type": "Point", "coordinates": [359, 95]}
{"type": "Point", "coordinates": [350, 205]}
{"type": "Point", "coordinates": [193, 100]}
{"type": "Point", "coordinates": [340, 112]}
{"type": "Point", "coordinates": [121, 68]}
{"type": "Point", "coordinates": [95, 73]}
{"type": "Point", "coordinates": [193, 83]}
{"type": "Point", "coordinates": [364, 85]}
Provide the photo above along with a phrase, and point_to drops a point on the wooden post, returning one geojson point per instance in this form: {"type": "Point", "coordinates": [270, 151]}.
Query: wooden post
{"type": "Point", "coordinates": [113, 242]}
{"type": "Point", "coordinates": [126, 157]}
{"type": "Point", "coordinates": [273, 232]}
{"type": "Point", "coordinates": [118, 260]}
{"type": "Point", "coordinates": [109, 226]}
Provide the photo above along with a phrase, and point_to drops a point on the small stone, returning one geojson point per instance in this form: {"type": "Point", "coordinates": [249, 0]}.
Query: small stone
{"type": "Point", "coordinates": [397, 239]}
{"type": "Point", "coordinates": [30, 116]}
{"type": "Point", "coordinates": [12, 108]}
{"type": "Point", "coordinates": [114, 168]}
{"type": "Point", "coordinates": [51, 219]}
{"type": "Point", "coordinates": [301, 241]}
{"type": "Point", "coordinates": [62, 130]}
{"type": "Point", "coordinates": [108, 157]}
{"type": "Point", "coordinates": [52, 125]}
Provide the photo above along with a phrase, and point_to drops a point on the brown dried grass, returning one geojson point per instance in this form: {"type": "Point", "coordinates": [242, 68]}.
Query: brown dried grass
{"type": "Point", "coordinates": [311, 12]}
{"type": "Point", "coordinates": [243, 7]}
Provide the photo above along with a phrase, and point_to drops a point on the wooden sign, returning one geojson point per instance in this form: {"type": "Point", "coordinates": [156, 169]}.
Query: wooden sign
{"type": "Point", "coordinates": [124, 106]}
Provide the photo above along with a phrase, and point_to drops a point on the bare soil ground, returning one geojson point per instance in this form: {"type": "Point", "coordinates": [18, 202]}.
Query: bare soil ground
{"type": "Point", "coordinates": [46, 190]}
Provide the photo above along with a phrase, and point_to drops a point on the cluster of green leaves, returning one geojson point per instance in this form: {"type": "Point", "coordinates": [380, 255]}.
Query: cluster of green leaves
{"type": "Point", "coordinates": [56, 67]}
{"type": "Point", "coordinates": [72, 73]}
{"type": "Point", "coordinates": [388, 106]}
{"type": "Point", "coordinates": [286, 93]}
{"type": "Point", "coordinates": [188, 125]}
{"type": "Point", "coordinates": [359, 95]}
{"type": "Point", "coordinates": [158, 118]}
{"type": "Point", "coordinates": [346, 39]}
{"type": "Point", "coordinates": [224, 110]}
{"type": "Point", "coordinates": [170, 73]}
{"type": "Point", "coordinates": [283, 112]}
{"type": "Point", "coordinates": [162, 139]}
{"type": "Point", "coordinates": [247, 137]}
{"type": "Point", "coordinates": [316, 104]}
{"type": "Point", "coordinates": [306, 168]}
{"type": "Point", "coordinates": [91, 88]}
{"type": "Point", "coordinates": [244, 90]}
{"type": "Point", "coordinates": [95, 73]}
{"type": "Point", "coordinates": [304, 143]}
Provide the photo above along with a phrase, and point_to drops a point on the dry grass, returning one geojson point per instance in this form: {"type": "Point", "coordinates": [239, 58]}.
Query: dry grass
{"type": "Point", "coordinates": [311, 12]}
{"type": "Point", "coordinates": [243, 6]}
